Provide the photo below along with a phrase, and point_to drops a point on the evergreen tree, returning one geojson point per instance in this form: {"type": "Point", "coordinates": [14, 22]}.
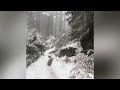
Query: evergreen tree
{"type": "Point", "coordinates": [82, 28]}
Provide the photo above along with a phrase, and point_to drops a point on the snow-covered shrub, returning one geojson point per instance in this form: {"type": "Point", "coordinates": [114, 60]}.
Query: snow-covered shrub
{"type": "Point", "coordinates": [50, 42]}
{"type": "Point", "coordinates": [34, 46]}
{"type": "Point", "coordinates": [84, 66]}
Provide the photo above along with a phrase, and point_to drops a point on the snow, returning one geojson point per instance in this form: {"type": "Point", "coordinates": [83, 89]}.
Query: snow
{"type": "Point", "coordinates": [70, 45]}
{"type": "Point", "coordinates": [50, 41]}
{"type": "Point", "coordinates": [74, 45]}
{"type": "Point", "coordinates": [59, 68]}
{"type": "Point", "coordinates": [40, 70]}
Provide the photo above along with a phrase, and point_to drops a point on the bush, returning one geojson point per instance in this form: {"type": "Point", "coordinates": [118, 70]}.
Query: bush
{"type": "Point", "coordinates": [50, 42]}
{"type": "Point", "coordinates": [34, 47]}
{"type": "Point", "coordinates": [84, 66]}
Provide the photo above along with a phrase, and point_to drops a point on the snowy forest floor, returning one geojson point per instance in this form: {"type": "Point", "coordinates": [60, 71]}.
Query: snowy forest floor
{"type": "Point", "coordinates": [58, 70]}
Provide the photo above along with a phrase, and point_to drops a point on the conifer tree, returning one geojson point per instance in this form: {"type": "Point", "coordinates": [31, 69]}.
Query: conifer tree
{"type": "Point", "coordinates": [82, 27]}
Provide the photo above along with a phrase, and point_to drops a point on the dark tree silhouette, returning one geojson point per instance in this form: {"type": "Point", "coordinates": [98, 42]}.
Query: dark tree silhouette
{"type": "Point", "coordinates": [82, 28]}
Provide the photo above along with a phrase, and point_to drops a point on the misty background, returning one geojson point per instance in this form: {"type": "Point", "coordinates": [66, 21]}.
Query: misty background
{"type": "Point", "coordinates": [60, 37]}
{"type": "Point", "coordinates": [13, 53]}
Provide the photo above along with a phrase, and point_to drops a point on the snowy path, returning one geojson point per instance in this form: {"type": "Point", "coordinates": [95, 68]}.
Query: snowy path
{"type": "Point", "coordinates": [58, 69]}
{"type": "Point", "coordinates": [40, 70]}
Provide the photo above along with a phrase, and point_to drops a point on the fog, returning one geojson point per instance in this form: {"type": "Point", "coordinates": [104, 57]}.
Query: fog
{"type": "Point", "coordinates": [107, 44]}
{"type": "Point", "coordinates": [12, 44]}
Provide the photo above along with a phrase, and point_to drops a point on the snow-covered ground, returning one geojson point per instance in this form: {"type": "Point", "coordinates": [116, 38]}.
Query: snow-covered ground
{"type": "Point", "coordinates": [58, 69]}
{"type": "Point", "coordinates": [40, 70]}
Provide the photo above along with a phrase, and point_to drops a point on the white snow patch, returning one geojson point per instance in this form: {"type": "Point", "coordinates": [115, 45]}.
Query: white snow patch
{"type": "Point", "coordinates": [70, 45]}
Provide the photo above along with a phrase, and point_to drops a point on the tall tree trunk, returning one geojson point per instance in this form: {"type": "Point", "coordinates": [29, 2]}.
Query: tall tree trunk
{"type": "Point", "coordinates": [60, 29]}
{"type": "Point", "coordinates": [55, 22]}
{"type": "Point", "coordinates": [51, 23]}
{"type": "Point", "coordinates": [63, 22]}
{"type": "Point", "coordinates": [44, 25]}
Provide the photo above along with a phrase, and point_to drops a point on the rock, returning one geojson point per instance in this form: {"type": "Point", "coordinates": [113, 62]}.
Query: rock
{"type": "Point", "coordinates": [68, 52]}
